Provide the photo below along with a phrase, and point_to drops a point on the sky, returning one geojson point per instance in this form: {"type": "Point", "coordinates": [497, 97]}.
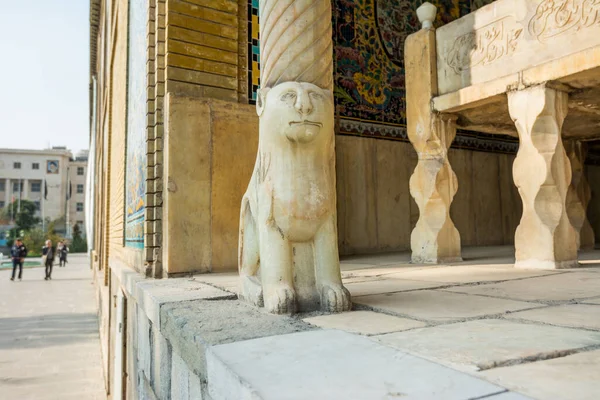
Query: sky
{"type": "Point", "coordinates": [44, 74]}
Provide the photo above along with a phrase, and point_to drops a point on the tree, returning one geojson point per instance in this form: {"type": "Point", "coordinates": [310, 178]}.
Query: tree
{"type": "Point", "coordinates": [34, 241]}
{"type": "Point", "coordinates": [52, 235]}
{"type": "Point", "coordinates": [24, 218]}
{"type": "Point", "coordinates": [79, 244]}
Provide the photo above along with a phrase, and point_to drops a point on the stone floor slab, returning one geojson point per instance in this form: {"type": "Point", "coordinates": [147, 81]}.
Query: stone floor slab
{"type": "Point", "coordinates": [468, 274]}
{"type": "Point", "coordinates": [387, 286]}
{"type": "Point", "coordinates": [571, 315]}
{"type": "Point", "coordinates": [380, 271]}
{"type": "Point", "coordinates": [440, 306]}
{"type": "Point", "coordinates": [480, 344]}
{"type": "Point", "coordinates": [364, 322]}
{"type": "Point", "coordinates": [575, 377]}
{"type": "Point", "coordinates": [556, 287]}
{"type": "Point", "coordinates": [229, 281]}
{"type": "Point", "coordinates": [508, 396]}
{"type": "Point", "coordinates": [330, 364]}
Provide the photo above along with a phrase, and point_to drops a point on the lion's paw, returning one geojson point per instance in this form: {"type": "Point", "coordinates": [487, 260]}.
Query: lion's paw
{"type": "Point", "coordinates": [280, 300]}
{"type": "Point", "coordinates": [335, 298]}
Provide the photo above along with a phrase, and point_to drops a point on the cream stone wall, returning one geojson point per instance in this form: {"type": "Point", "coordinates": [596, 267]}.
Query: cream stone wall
{"type": "Point", "coordinates": [593, 212]}
{"type": "Point", "coordinates": [117, 124]}
{"type": "Point", "coordinates": [210, 148]}
{"type": "Point", "coordinates": [377, 214]}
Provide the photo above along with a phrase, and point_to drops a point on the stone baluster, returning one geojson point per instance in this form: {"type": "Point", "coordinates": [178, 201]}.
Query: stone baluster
{"type": "Point", "coordinates": [545, 237]}
{"type": "Point", "coordinates": [579, 194]}
{"type": "Point", "coordinates": [433, 184]}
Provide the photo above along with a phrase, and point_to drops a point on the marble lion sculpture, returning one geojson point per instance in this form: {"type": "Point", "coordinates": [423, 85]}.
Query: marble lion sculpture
{"type": "Point", "coordinates": [288, 254]}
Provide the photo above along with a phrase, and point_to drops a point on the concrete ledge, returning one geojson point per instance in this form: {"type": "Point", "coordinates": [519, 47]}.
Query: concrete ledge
{"type": "Point", "coordinates": [192, 327]}
{"type": "Point", "coordinates": [152, 294]}
{"type": "Point", "coordinates": [332, 364]}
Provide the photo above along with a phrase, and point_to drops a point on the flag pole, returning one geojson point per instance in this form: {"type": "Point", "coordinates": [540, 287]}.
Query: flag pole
{"type": "Point", "coordinates": [42, 207]}
{"type": "Point", "coordinates": [20, 190]}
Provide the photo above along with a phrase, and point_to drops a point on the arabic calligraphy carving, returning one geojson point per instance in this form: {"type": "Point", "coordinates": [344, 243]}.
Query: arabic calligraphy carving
{"type": "Point", "coordinates": [553, 17]}
{"type": "Point", "coordinates": [484, 46]}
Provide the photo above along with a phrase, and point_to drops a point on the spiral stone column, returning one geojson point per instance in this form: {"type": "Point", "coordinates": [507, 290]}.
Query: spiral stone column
{"type": "Point", "coordinates": [288, 254]}
{"type": "Point", "coordinates": [545, 237]}
{"type": "Point", "coordinates": [296, 43]}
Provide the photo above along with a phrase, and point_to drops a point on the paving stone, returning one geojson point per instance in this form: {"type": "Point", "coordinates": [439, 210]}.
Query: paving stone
{"type": "Point", "coordinates": [556, 287]}
{"type": "Point", "coordinates": [508, 396]}
{"type": "Point", "coordinates": [468, 274]}
{"type": "Point", "coordinates": [378, 259]}
{"type": "Point", "coordinates": [482, 343]}
{"type": "Point", "coordinates": [572, 315]}
{"type": "Point", "coordinates": [364, 322]}
{"type": "Point", "coordinates": [381, 270]}
{"type": "Point", "coordinates": [328, 365]}
{"type": "Point", "coordinates": [566, 378]}
{"type": "Point", "coordinates": [229, 281]}
{"type": "Point", "coordinates": [387, 286]}
{"type": "Point", "coordinates": [441, 306]}
{"type": "Point", "coordinates": [49, 338]}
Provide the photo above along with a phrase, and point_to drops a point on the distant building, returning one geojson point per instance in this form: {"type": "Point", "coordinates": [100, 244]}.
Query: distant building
{"type": "Point", "coordinates": [53, 179]}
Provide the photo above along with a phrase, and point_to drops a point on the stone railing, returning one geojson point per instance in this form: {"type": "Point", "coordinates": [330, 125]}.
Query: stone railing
{"type": "Point", "coordinates": [527, 68]}
{"type": "Point", "coordinates": [508, 36]}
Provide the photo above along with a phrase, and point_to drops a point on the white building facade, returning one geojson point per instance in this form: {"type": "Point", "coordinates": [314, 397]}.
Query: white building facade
{"type": "Point", "coordinates": [52, 179]}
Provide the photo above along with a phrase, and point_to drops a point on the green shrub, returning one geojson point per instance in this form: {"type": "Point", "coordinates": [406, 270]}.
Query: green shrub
{"type": "Point", "coordinates": [79, 244]}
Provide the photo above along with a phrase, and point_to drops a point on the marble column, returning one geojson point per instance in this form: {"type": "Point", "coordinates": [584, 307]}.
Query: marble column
{"type": "Point", "coordinates": [25, 189]}
{"type": "Point", "coordinates": [545, 237]}
{"type": "Point", "coordinates": [579, 194]}
{"type": "Point", "coordinates": [7, 190]}
{"type": "Point", "coordinates": [433, 184]}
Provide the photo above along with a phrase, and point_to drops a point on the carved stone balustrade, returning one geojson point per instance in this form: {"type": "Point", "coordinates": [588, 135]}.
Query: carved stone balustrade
{"type": "Point", "coordinates": [525, 68]}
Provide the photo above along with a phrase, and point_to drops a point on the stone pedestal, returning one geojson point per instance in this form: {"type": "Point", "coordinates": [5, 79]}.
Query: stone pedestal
{"type": "Point", "coordinates": [545, 237]}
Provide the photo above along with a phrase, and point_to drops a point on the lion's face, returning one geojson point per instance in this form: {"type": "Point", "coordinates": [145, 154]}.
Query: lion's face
{"type": "Point", "coordinates": [302, 112]}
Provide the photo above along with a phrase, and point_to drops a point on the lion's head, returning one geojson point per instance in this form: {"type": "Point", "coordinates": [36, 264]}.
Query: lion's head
{"type": "Point", "coordinates": [300, 111]}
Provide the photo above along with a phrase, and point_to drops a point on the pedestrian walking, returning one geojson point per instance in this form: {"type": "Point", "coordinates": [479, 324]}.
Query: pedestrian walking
{"type": "Point", "coordinates": [18, 252]}
{"type": "Point", "coordinates": [48, 256]}
{"type": "Point", "coordinates": [61, 251]}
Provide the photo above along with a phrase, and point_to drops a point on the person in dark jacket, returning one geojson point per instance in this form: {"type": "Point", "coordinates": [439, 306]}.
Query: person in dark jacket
{"type": "Point", "coordinates": [18, 252]}
{"type": "Point", "coordinates": [61, 252]}
{"type": "Point", "coordinates": [48, 254]}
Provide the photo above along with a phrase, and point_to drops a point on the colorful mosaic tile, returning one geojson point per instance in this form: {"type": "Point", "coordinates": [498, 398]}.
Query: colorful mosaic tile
{"type": "Point", "coordinates": [135, 175]}
{"type": "Point", "coordinates": [369, 83]}
{"type": "Point", "coordinates": [253, 50]}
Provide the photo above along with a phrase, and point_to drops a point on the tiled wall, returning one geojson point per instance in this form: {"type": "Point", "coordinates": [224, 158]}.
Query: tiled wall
{"type": "Point", "coordinates": [135, 176]}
